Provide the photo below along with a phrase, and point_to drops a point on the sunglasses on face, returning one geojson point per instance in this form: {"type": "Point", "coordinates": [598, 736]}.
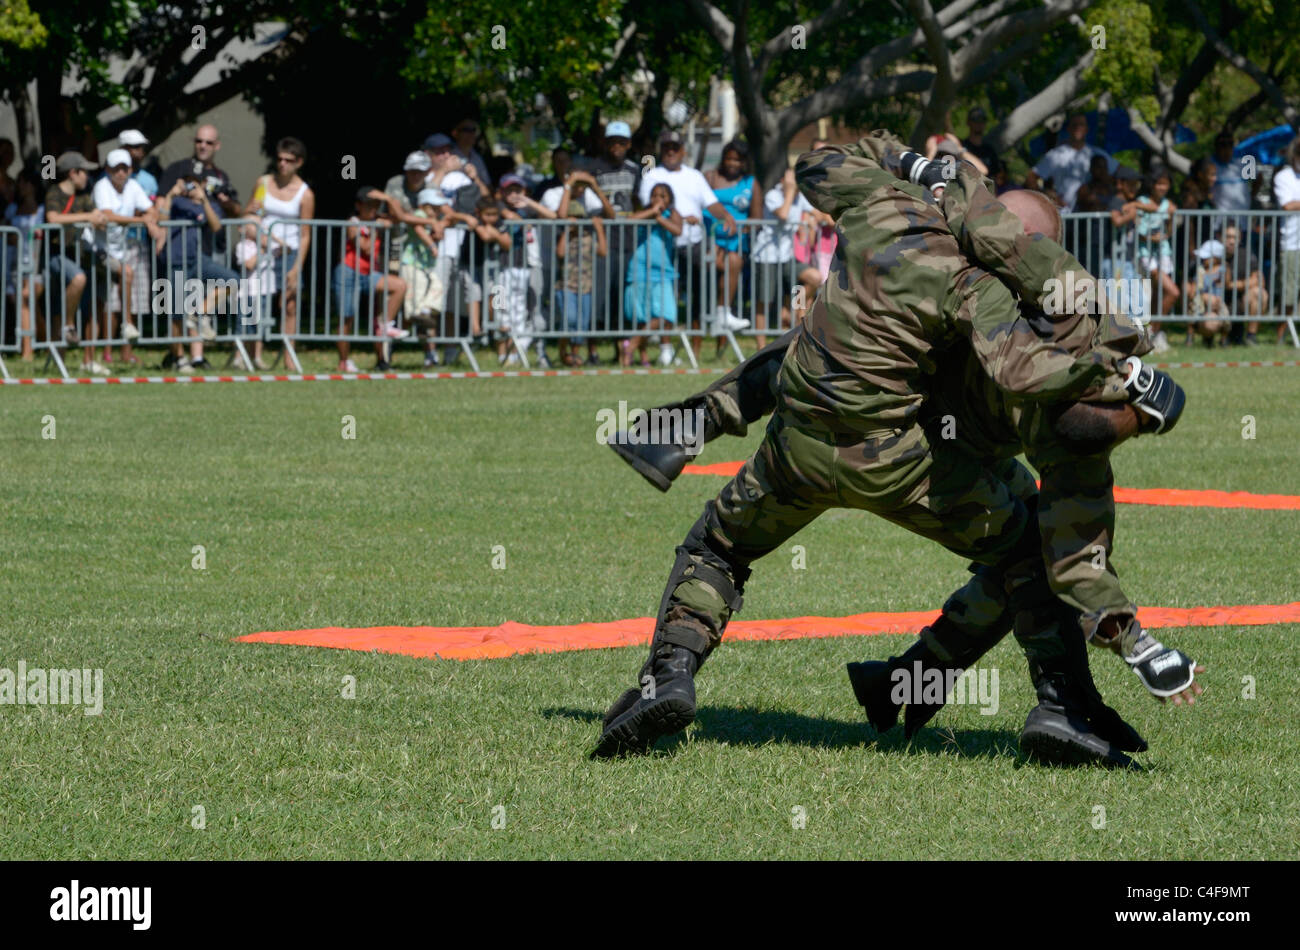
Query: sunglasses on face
{"type": "Point", "coordinates": [205, 141]}
{"type": "Point", "coordinates": [286, 159]}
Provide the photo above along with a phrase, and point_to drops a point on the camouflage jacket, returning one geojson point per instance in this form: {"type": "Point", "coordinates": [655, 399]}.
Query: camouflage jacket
{"type": "Point", "coordinates": [912, 278]}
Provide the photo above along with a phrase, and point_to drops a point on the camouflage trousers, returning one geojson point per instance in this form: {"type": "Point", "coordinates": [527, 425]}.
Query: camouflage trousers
{"type": "Point", "coordinates": [962, 488]}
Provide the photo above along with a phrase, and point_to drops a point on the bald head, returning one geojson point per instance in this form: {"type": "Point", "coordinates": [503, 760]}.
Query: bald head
{"type": "Point", "coordinates": [1036, 211]}
{"type": "Point", "coordinates": [206, 142]}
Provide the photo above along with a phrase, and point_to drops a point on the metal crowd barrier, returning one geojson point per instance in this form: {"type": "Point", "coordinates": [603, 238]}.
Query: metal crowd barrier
{"type": "Point", "coordinates": [191, 290]}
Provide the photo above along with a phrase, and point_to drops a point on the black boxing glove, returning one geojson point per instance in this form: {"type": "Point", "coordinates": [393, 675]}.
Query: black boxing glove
{"type": "Point", "coordinates": [1155, 395]}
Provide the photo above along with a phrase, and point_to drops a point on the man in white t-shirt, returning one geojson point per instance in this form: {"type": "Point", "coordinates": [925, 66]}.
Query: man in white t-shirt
{"type": "Point", "coordinates": [1286, 196]}
{"type": "Point", "coordinates": [124, 203]}
{"type": "Point", "coordinates": [1067, 165]}
{"type": "Point", "coordinates": [692, 196]}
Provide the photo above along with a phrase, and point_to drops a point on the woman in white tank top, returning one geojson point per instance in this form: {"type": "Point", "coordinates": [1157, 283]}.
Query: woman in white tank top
{"type": "Point", "coordinates": [285, 196]}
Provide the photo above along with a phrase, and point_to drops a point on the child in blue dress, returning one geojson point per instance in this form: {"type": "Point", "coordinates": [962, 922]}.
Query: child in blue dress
{"type": "Point", "coordinates": [650, 298]}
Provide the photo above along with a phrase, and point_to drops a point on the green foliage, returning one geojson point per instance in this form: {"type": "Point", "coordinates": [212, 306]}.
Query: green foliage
{"type": "Point", "coordinates": [20, 27]}
{"type": "Point", "coordinates": [1126, 60]}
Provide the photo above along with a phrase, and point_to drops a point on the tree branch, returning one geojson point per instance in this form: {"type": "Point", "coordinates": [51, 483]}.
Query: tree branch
{"type": "Point", "coordinates": [1261, 78]}
{"type": "Point", "coordinates": [943, 89]}
{"type": "Point", "coordinates": [1030, 114]}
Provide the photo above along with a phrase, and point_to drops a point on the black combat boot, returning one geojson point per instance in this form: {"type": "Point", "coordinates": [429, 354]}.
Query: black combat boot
{"type": "Point", "coordinates": [665, 704]}
{"type": "Point", "coordinates": [661, 463]}
{"type": "Point", "coordinates": [873, 683]}
{"type": "Point", "coordinates": [1058, 730]}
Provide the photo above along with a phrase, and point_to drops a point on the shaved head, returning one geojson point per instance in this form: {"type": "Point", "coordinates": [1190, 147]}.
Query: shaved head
{"type": "Point", "coordinates": [1037, 213]}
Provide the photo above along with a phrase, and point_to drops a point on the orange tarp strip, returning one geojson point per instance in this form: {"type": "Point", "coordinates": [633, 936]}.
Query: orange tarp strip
{"type": "Point", "coordinates": [482, 643]}
{"type": "Point", "coordinates": [1181, 497]}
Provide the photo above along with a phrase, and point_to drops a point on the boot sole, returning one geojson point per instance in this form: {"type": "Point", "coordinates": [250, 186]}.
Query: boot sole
{"type": "Point", "coordinates": [647, 471]}
{"type": "Point", "coordinates": [636, 731]}
{"type": "Point", "coordinates": [1050, 746]}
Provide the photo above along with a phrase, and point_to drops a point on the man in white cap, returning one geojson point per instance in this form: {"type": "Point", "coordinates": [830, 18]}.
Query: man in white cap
{"type": "Point", "coordinates": [403, 199]}
{"type": "Point", "coordinates": [136, 145]}
{"type": "Point", "coordinates": [124, 204]}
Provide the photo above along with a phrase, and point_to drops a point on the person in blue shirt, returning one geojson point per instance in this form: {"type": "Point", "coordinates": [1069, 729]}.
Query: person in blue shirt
{"type": "Point", "coordinates": [733, 183]}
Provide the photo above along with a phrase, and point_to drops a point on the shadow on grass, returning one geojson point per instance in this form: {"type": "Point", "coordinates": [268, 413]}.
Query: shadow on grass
{"type": "Point", "coordinates": [733, 725]}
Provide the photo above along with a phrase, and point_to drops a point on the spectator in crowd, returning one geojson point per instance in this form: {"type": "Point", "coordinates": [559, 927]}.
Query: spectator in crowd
{"type": "Point", "coordinates": [650, 299]}
{"type": "Point", "coordinates": [1155, 225]}
{"type": "Point", "coordinates": [578, 186]}
{"type": "Point", "coordinates": [733, 184]}
{"type": "Point", "coordinates": [403, 191]}
{"type": "Point", "coordinates": [522, 278]}
{"type": "Point", "coordinates": [1087, 237]}
{"type": "Point", "coordinates": [207, 142]}
{"type": "Point", "coordinates": [576, 248]}
{"type": "Point", "coordinates": [441, 150]}
{"type": "Point", "coordinates": [1095, 193]}
{"type": "Point", "coordinates": [773, 274]}
{"type": "Point", "coordinates": [1198, 187]}
{"type": "Point", "coordinates": [561, 165]}
{"type": "Point", "coordinates": [26, 214]}
{"type": "Point", "coordinates": [942, 146]}
{"type": "Point", "coordinates": [692, 196]}
{"type": "Point", "coordinates": [1286, 197]}
{"type": "Point", "coordinates": [125, 249]}
{"type": "Point", "coordinates": [1232, 190]}
{"type": "Point", "coordinates": [8, 185]}
{"type": "Point", "coordinates": [1124, 210]}
{"type": "Point", "coordinates": [425, 291]}
{"type": "Point", "coordinates": [257, 255]}
{"type": "Point", "coordinates": [195, 214]}
{"type": "Point", "coordinates": [1067, 165]}
{"type": "Point", "coordinates": [462, 297]}
{"type": "Point", "coordinates": [1243, 282]}
{"type": "Point", "coordinates": [362, 276]}
{"type": "Point", "coordinates": [976, 122]}
{"type": "Point", "coordinates": [67, 203]}
{"type": "Point", "coordinates": [618, 180]}
{"type": "Point", "coordinates": [136, 146]}
{"type": "Point", "coordinates": [281, 197]}
{"type": "Point", "coordinates": [1207, 301]}
{"type": "Point", "coordinates": [449, 174]}
{"type": "Point", "coordinates": [485, 268]}
{"type": "Point", "coordinates": [466, 135]}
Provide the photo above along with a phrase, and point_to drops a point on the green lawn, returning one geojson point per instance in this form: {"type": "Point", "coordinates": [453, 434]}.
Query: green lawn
{"type": "Point", "coordinates": [302, 528]}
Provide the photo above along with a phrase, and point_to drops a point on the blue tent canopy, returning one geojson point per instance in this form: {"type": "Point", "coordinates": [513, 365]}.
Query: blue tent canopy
{"type": "Point", "coordinates": [1267, 147]}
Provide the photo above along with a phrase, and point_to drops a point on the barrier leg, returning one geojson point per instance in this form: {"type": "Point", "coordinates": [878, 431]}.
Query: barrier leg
{"type": "Point", "coordinates": [473, 363]}
{"type": "Point", "coordinates": [690, 353]}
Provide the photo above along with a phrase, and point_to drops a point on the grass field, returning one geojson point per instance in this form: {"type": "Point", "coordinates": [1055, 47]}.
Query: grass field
{"type": "Point", "coordinates": [302, 528]}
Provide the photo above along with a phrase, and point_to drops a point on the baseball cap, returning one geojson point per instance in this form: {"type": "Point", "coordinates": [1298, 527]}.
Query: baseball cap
{"type": "Point", "coordinates": [977, 114]}
{"type": "Point", "coordinates": [363, 193]}
{"type": "Point", "coordinates": [431, 196]}
{"type": "Point", "coordinates": [133, 137]}
{"type": "Point", "coordinates": [1124, 173]}
{"type": "Point", "coordinates": [618, 130]}
{"type": "Point", "coordinates": [670, 136]}
{"type": "Point", "coordinates": [73, 159]}
{"type": "Point", "coordinates": [119, 156]}
{"type": "Point", "coordinates": [1210, 249]}
{"type": "Point", "coordinates": [438, 140]}
{"type": "Point", "coordinates": [512, 179]}
{"type": "Point", "coordinates": [417, 161]}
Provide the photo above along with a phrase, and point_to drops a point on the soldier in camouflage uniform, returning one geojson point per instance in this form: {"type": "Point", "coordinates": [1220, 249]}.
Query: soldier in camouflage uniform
{"type": "Point", "coordinates": [905, 330]}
